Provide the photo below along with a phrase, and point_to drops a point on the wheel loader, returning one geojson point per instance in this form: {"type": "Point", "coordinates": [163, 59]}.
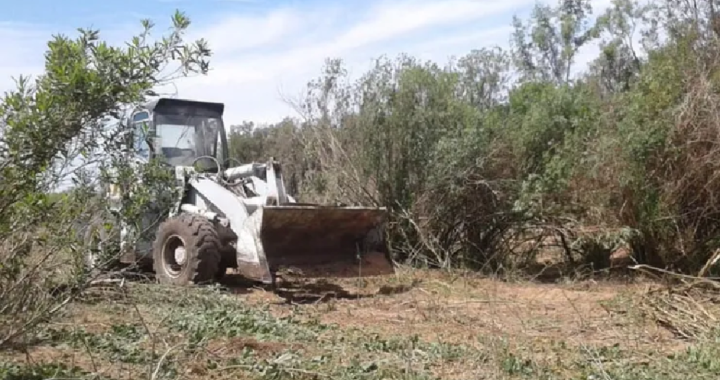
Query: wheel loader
{"type": "Point", "coordinates": [234, 216]}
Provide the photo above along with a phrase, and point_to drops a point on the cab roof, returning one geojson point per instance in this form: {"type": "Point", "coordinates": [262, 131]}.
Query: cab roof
{"type": "Point", "coordinates": [181, 106]}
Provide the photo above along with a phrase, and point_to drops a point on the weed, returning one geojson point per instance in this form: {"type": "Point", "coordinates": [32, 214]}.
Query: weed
{"type": "Point", "coordinates": [208, 332]}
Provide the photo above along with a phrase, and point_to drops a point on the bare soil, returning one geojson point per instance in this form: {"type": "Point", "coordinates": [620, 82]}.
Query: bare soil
{"type": "Point", "coordinates": [460, 325]}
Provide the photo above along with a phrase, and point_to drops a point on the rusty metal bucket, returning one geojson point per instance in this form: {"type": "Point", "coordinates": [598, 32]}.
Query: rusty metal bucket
{"type": "Point", "coordinates": [325, 241]}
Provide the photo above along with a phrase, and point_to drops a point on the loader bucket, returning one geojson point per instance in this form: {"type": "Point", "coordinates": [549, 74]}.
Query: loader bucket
{"type": "Point", "coordinates": [323, 241]}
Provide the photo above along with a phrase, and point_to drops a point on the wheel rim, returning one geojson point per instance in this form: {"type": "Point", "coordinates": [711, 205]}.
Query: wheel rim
{"type": "Point", "coordinates": [174, 256]}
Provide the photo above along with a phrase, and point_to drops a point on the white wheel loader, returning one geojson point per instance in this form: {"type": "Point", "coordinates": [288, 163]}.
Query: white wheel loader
{"type": "Point", "coordinates": [236, 216]}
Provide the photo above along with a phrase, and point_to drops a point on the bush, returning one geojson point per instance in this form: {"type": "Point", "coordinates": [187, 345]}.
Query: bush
{"type": "Point", "coordinates": [52, 130]}
{"type": "Point", "coordinates": [480, 171]}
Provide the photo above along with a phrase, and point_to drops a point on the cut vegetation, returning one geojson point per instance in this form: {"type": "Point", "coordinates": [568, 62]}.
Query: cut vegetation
{"type": "Point", "coordinates": [544, 225]}
{"type": "Point", "coordinates": [417, 325]}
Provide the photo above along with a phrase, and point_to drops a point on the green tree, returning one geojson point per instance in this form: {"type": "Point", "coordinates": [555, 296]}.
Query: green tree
{"type": "Point", "coordinates": [67, 109]}
{"type": "Point", "coordinates": [545, 47]}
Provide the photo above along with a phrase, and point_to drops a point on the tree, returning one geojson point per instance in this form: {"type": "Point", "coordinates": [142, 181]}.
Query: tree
{"type": "Point", "coordinates": [86, 84]}
{"type": "Point", "coordinates": [546, 46]}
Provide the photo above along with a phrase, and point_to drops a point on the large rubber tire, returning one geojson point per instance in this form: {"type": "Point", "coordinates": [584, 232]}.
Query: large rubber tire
{"type": "Point", "coordinates": [198, 237]}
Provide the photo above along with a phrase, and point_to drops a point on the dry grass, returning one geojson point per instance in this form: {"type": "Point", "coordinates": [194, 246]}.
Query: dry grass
{"type": "Point", "coordinates": [416, 325]}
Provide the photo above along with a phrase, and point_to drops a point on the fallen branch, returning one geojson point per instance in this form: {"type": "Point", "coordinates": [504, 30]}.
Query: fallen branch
{"type": "Point", "coordinates": [688, 280]}
{"type": "Point", "coordinates": [711, 262]}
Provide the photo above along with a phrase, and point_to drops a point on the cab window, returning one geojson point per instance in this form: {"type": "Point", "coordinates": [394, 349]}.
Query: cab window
{"type": "Point", "coordinates": [140, 125]}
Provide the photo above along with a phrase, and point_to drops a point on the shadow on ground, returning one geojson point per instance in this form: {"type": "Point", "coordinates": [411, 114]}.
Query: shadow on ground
{"type": "Point", "coordinates": [306, 292]}
{"type": "Point", "coordinates": [562, 272]}
{"type": "Point", "coordinates": [292, 291]}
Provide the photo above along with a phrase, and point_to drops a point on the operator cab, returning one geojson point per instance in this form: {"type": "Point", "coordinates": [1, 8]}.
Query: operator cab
{"type": "Point", "coordinates": [181, 132]}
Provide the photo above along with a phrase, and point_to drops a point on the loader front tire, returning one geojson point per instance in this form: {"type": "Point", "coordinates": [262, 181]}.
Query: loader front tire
{"type": "Point", "coordinates": [186, 251]}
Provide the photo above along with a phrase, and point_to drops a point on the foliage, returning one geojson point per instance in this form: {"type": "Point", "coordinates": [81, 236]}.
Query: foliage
{"type": "Point", "coordinates": [60, 127]}
{"type": "Point", "coordinates": [483, 171]}
{"type": "Point", "coordinates": [478, 166]}
{"type": "Point", "coordinates": [155, 332]}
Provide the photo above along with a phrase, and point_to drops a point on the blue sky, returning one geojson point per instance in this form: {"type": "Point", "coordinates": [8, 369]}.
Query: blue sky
{"type": "Point", "coordinates": [266, 50]}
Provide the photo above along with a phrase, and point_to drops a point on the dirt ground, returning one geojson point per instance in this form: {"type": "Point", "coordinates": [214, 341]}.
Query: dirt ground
{"type": "Point", "coordinates": [436, 306]}
{"type": "Point", "coordinates": [417, 324]}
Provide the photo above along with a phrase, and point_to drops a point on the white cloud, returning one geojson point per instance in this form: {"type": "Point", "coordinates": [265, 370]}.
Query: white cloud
{"type": "Point", "coordinates": [240, 33]}
{"type": "Point", "coordinates": [256, 54]}
{"type": "Point", "coordinates": [249, 81]}
{"type": "Point", "coordinates": [23, 47]}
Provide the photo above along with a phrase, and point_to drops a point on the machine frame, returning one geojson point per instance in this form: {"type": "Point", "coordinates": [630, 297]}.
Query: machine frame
{"type": "Point", "coordinates": [238, 216]}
